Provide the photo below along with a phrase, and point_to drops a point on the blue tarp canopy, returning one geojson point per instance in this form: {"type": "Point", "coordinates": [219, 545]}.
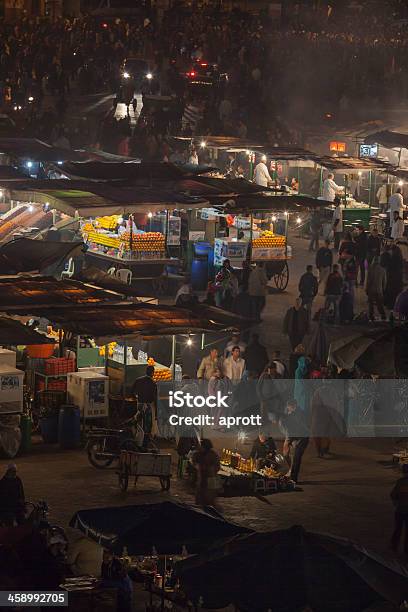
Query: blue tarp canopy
{"type": "Point", "coordinates": [168, 526]}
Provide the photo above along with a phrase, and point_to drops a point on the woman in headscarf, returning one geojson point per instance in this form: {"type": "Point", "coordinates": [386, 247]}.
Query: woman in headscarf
{"type": "Point", "coordinates": [301, 390]}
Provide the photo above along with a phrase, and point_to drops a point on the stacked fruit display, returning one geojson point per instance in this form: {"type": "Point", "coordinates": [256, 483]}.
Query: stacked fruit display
{"type": "Point", "coordinates": [104, 239]}
{"type": "Point", "coordinates": [148, 241]}
{"type": "Point", "coordinates": [162, 374]}
{"type": "Point", "coordinates": [107, 223]}
{"type": "Point", "coordinates": [87, 227]}
{"type": "Point", "coordinates": [268, 240]}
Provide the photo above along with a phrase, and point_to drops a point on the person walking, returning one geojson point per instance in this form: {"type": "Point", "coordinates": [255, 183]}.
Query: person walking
{"type": "Point", "coordinates": [308, 287]}
{"type": "Point", "coordinates": [333, 291]}
{"type": "Point", "coordinates": [376, 284]}
{"type": "Point", "coordinates": [337, 223]}
{"type": "Point", "coordinates": [293, 426]}
{"type": "Point", "coordinates": [361, 252]}
{"type": "Point", "coordinates": [373, 245]}
{"type": "Point", "coordinates": [315, 227]}
{"type": "Point", "coordinates": [256, 356]}
{"type": "Point", "coordinates": [296, 323]}
{"type": "Point", "coordinates": [324, 262]}
{"type": "Point", "coordinates": [257, 289]}
{"type": "Point", "coordinates": [207, 463]}
{"type": "Point", "coordinates": [209, 364]}
{"type": "Point", "coordinates": [12, 498]}
{"type": "Point", "coordinates": [399, 496]}
{"type": "Point", "coordinates": [234, 366]}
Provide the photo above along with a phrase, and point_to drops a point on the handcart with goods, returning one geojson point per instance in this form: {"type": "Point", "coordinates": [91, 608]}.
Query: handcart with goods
{"type": "Point", "coordinates": [144, 464]}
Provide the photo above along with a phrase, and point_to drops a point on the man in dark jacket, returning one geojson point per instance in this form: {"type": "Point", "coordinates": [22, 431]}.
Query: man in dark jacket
{"type": "Point", "coordinates": [296, 323]}
{"type": "Point", "coordinates": [295, 430]}
{"type": "Point", "coordinates": [399, 496]}
{"type": "Point", "coordinates": [12, 499]}
{"type": "Point", "coordinates": [324, 262]}
{"type": "Point", "coordinates": [373, 245]}
{"type": "Point", "coordinates": [333, 291]}
{"type": "Point", "coordinates": [361, 251]}
{"type": "Point", "coordinates": [308, 288]}
{"type": "Point", "coordinates": [256, 356]}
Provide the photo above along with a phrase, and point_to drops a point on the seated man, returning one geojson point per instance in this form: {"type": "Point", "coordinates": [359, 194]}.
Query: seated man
{"type": "Point", "coordinates": [263, 448]}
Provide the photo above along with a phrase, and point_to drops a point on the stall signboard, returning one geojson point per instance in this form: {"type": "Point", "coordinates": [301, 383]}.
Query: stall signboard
{"type": "Point", "coordinates": [174, 231]}
{"type": "Point", "coordinates": [369, 150]}
{"type": "Point", "coordinates": [236, 252]}
{"type": "Point", "coordinates": [196, 236]}
{"type": "Point", "coordinates": [210, 214]}
{"type": "Point", "coordinates": [274, 253]}
{"type": "Point", "coordinates": [338, 147]}
{"type": "Point", "coordinates": [242, 222]}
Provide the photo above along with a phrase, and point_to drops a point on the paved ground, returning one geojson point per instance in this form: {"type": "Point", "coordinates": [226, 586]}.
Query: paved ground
{"type": "Point", "coordinates": [347, 495]}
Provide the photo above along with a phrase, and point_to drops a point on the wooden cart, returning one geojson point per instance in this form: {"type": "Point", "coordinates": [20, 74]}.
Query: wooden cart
{"type": "Point", "coordinates": [136, 464]}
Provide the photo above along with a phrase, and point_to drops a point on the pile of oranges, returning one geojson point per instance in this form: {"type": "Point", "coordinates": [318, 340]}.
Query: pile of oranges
{"type": "Point", "coordinates": [151, 361]}
{"type": "Point", "coordinates": [149, 241]}
{"type": "Point", "coordinates": [162, 374]}
{"type": "Point", "coordinates": [268, 240]}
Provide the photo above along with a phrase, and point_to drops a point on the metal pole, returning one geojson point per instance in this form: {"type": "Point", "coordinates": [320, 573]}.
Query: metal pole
{"type": "Point", "coordinates": [286, 233]}
{"type": "Point", "coordinates": [167, 229]}
{"type": "Point", "coordinates": [173, 359]}
{"type": "Point", "coordinates": [250, 237]}
{"type": "Point", "coordinates": [370, 178]}
{"type": "Point", "coordinates": [202, 341]}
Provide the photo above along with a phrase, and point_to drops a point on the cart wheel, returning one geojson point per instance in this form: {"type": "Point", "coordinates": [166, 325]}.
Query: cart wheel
{"type": "Point", "coordinates": [165, 483]}
{"type": "Point", "coordinates": [281, 280]}
{"type": "Point", "coordinates": [124, 477]}
{"type": "Point", "coordinates": [160, 284]}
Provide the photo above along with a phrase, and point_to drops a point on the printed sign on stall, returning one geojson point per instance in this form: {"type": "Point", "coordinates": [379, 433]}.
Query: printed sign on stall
{"type": "Point", "coordinates": [174, 231]}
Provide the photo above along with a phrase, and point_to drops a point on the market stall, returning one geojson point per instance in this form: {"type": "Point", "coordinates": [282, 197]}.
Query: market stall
{"type": "Point", "coordinates": [120, 242]}
{"type": "Point", "coordinates": [250, 476]}
{"type": "Point", "coordinates": [359, 178]}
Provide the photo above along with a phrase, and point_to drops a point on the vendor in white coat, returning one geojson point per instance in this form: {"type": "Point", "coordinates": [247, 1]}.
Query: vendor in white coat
{"type": "Point", "coordinates": [330, 188]}
{"type": "Point", "coordinates": [397, 228]}
{"type": "Point", "coordinates": [234, 366]}
{"type": "Point", "coordinates": [396, 204]}
{"type": "Point", "coordinates": [261, 175]}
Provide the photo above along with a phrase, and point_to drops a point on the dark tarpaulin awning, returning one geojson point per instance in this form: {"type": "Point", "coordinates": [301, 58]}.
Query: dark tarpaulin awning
{"type": "Point", "coordinates": [348, 164]}
{"type": "Point", "coordinates": [127, 320]}
{"type": "Point", "coordinates": [146, 171]}
{"type": "Point", "coordinates": [10, 173]}
{"type": "Point", "coordinates": [258, 571]}
{"type": "Point", "coordinates": [262, 202]}
{"type": "Point", "coordinates": [388, 139]}
{"type": "Point", "coordinates": [25, 255]}
{"type": "Point", "coordinates": [35, 150]}
{"type": "Point", "coordinates": [26, 294]}
{"type": "Point", "coordinates": [13, 332]}
{"type": "Point", "coordinates": [166, 526]}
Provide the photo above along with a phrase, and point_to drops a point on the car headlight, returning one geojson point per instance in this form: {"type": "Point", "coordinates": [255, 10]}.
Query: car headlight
{"type": "Point", "coordinates": [149, 76]}
{"type": "Point", "coordinates": [126, 75]}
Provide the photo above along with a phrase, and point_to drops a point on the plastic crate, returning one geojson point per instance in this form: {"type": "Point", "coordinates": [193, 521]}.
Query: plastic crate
{"type": "Point", "coordinates": [59, 365]}
{"type": "Point", "coordinates": [52, 398]}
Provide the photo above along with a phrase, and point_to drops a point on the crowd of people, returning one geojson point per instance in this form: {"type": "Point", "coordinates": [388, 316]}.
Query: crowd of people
{"type": "Point", "coordinates": [271, 62]}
